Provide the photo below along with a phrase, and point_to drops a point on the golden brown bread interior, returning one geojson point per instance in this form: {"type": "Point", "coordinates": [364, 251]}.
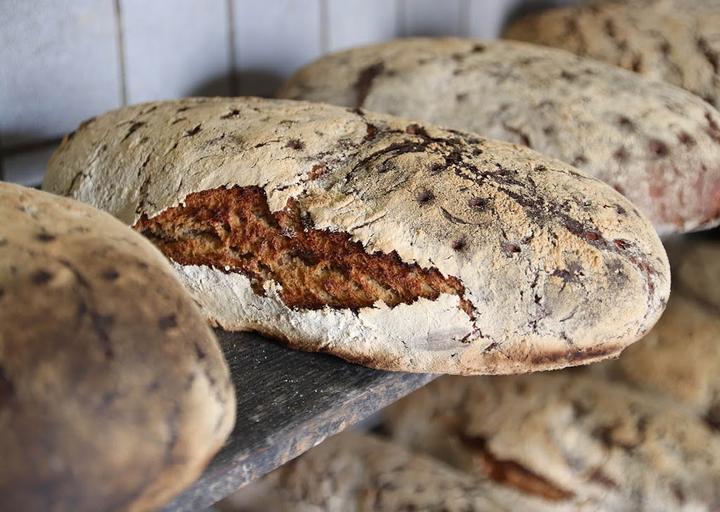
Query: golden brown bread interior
{"type": "Point", "coordinates": [233, 229]}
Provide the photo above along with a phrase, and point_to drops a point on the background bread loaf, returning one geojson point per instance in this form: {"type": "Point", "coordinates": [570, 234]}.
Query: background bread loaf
{"type": "Point", "coordinates": [353, 472]}
{"type": "Point", "coordinates": [574, 441]}
{"type": "Point", "coordinates": [655, 143]}
{"type": "Point", "coordinates": [113, 391]}
{"type": "Point", "coordinates": [677, 41]}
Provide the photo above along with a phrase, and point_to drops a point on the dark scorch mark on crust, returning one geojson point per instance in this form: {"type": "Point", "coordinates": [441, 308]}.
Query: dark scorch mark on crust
{"type": "Point", "coordinates": [710, 55]}
{"type": "Point", "coordinates": [132, 129]}
{"type": "Point", "coordinates": [7, 388]}
{"type": "Point", "coordinates": [524, 137]}
{"type": "Point", "coordinates": [512, 473]}
{"type": "Point", "coordinates": [365, 80]}
{"type": "Point", "coordinates": [576, 357]}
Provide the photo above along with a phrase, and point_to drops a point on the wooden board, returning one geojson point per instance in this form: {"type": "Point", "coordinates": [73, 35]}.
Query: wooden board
{"type": "Point", "coordinates": [288, 402]}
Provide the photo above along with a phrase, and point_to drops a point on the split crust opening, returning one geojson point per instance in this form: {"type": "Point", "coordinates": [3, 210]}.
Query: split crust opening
{"type": "Point", "coordinates": [233, 230]}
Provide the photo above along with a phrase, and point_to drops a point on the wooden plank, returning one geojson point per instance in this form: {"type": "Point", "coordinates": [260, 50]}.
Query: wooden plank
{"type": "Point", "coordinates": [288, 402]}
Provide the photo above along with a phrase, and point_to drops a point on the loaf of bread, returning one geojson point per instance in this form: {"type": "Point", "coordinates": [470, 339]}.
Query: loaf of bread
{"type": "Point", "coordinates": [113, 391]}
{"type": "Point", "coordinates": [573, 441]}
{"type": "Point", "coordinates": [389, 243]}
{"type": "Point", "coordinates": [680, 356]}
{"type": "Point", "coordinates": [353, 472]}
{"type": "Point", "coordinates": [673, 40]}
{"type": "Point", "coordinates": [655, 143]}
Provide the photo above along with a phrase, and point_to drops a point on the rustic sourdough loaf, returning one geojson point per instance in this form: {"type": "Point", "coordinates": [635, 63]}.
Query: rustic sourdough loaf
{"type": "Point", "coordinates": [573, 441]}
{"type": "Point", "coordinates": [653, 142]}
{"type": "Point", "coordinates": [113, 391]}
{"type": "Point", "coordinates": [680, 356]}
{"type": "Point", "coordinates": [353, 472]}
{"type": "Point", "coordinates": [388, 243]}
{"type": "Point", "coordinates": [673, 40]}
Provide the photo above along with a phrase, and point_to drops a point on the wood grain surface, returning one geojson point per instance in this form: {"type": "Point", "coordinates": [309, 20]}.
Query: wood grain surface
{"type": "Point", "coordinates": [288, 402]}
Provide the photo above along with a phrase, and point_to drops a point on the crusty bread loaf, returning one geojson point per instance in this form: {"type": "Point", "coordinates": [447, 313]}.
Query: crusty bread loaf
{"type": "Point", "coordinates": [113, 391]}
{"type": "Point", "coordinates": [673, 40]}
{"type": "Point", "coordinates": [680, 357]}
{"type": "Point", "coordinates": [388, 243]}
{"type": "Point", "coordinates": [353, 472]}
{"type": "Point", "coordinates": [571, 440]}
{"type": "Point", "coordinates": [657, 144]}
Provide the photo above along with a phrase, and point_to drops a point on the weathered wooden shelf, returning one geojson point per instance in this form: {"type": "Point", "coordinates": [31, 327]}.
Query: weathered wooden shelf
{"type": "Point", "coordinates": [287, 402]}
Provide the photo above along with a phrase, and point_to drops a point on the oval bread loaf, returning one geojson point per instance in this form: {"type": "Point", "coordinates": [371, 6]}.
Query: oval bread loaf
{"type": "Point", "coordinates": [673, 40]}
{"type": "Point", "coordinates": [653, 142]}
{"type": "Point", "coordinates": [353, 472]}
{"type": "Point", "coordinates": [573, 441]}
{"type": "Point", "coordinates": [388, 243]}
{"type": "Point", "coordinates": [113, 391]}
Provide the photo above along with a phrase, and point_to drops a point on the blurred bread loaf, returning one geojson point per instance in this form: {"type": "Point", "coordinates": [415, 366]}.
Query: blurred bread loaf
{"type": "Point", "coordinates": [677, 41]}
{"type": "Point", "coordinates": [655, 143]}
{"type": "Point", "coordinates": [113, 391]}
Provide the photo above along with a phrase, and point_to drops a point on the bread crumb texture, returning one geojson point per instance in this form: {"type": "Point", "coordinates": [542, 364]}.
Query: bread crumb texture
{"type": "Point", "coordinates": [384, 241]}
{"type": "Point", "coordinates": [657, 144]}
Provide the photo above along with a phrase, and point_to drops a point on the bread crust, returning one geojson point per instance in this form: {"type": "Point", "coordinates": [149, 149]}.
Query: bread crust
{"type": "Point", "coordinates": [671, 40]}
{"type": "Point", "coordinates": [655, 143]}
{"type": "Point", "coordinates": [559, 268]}
{"type": "Point", "coordinates": [604, 445]}
{"type": "Point", "coordinates": [114, 393]}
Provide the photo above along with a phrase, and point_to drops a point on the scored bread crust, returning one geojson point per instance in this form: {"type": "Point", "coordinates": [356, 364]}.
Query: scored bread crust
{"type": "Point", "coordinates": [657, 144]}
{"type": "Point", "coordinates": [671, 40]}
{"type": "Point", "coordinates": [114, 393]}
{"type": "Point", "coordinates": [559, 268]}
{"type": "Point", "coordinates": [589, 441]}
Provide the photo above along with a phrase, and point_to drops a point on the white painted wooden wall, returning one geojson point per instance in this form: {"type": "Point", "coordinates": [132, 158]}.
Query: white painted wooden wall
{"type": "Point", "coordinates": [62, 61]}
